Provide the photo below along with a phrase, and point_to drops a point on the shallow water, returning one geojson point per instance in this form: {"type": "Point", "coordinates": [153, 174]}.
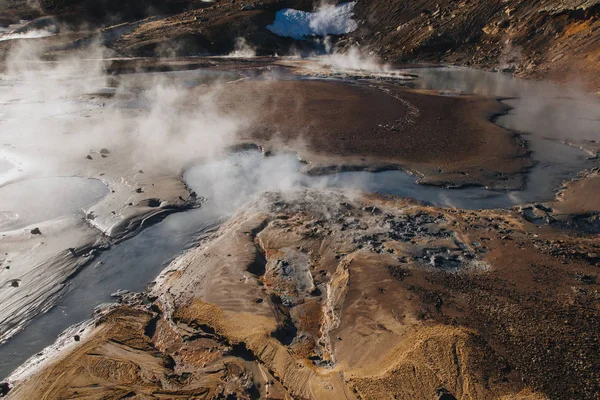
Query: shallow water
{"type": "Point", "coordinates": [130, 265]}
{"type": "Point", "coordinates": [37, 200]}
{"type": "Point", "coordinates": [187, 79]}
{"type": "Point", "coordinates": [229, 183]}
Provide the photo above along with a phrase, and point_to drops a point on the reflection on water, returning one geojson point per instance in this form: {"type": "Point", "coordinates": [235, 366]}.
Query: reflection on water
{"type": "Point", "coordinates": [173, 78]}
{"type": "Point", "coordinates": [227, 184]}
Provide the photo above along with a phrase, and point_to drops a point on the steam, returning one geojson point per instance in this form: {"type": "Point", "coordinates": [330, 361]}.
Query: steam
{"type": "Point", "coordinates": [547, 110]}
{"type": "Point", "coordinates": [354, 59]}
{"type": "Point", "coordinates": [35, 34]}
{"type": "Point", "coordinates": [63, 110]}
{"type": "Point", "coordinates": [242, 49]}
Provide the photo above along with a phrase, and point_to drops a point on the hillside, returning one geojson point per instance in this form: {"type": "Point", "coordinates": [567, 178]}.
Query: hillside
{"type": "Point", "coordinates": [553, 39]}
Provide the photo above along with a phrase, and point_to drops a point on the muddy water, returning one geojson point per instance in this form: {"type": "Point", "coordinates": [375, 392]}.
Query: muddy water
{"type": "Point", "coordinates": [37, 200]}
{"type": "Point", "coordinates": [229, 183]}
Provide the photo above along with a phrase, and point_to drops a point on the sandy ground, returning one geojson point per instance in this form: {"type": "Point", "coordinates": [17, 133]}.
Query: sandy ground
{"type": "Point", "coordinates": [341, 297]}
{"type": "Point", "coordinates": [579, 196]}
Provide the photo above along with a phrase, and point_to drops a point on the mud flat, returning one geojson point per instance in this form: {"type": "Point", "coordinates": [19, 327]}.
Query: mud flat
{"type": "Point", "coordinates": [35, 267]}
{"type": "Point", "coordinates": [443, 140]}
{"type": "Point", "coordinates": [64, 202]}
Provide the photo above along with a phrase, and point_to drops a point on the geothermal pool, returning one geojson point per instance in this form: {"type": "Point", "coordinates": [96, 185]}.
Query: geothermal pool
{"type": "Point", "coordinates": [230, 182]}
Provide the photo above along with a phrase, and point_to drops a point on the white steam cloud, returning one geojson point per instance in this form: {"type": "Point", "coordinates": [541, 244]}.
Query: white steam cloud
{"type": "Point", "coordinates": [63, 110]}
{"type": "Point", "coordinates": [354, 59]}
{"type": "Point", "coordinates": [242, 49]}
{"type": "Point", "coordinates": [35, 34]}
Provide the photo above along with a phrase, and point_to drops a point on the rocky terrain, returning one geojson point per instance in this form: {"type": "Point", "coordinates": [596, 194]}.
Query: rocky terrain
{"type": "Point", "coordinates": [309, 290]}
{"type": "Point", "coordinates": [554, 39]}
{"type": "Point", "coordinates": [317, 295]}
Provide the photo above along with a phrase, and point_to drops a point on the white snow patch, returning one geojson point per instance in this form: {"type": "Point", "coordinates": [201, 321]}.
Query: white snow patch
{"type": "Point", "coordinates": [327, 20]}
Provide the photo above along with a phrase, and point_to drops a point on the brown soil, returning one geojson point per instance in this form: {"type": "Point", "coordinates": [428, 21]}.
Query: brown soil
{"type": "Point", "coordinates": [445, 140]}
{"type": "Point", "coordinates": [579, 196]}
{"type": "Point", "coordinates": [555, 40]}
{"type": "Point", "coordinates": [322, 296]}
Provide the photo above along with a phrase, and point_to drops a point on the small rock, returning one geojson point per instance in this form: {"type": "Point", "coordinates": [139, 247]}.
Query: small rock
{"type": "Point", "coordinates": [89, 157]}
{"type": "Point", "coordinates": [4, 388]}
{"type": "Point", "coordinates": [36, 231]}
{"type": "Point", "coordinates": [104, 151]}
{"type": "Point", "coordinates": [77, 338]}
{"type": "Point", "coordinates": [444, 394]}
{"type": "Point", "coordinates": [120, 293]}
{"type": "Point", "coordinates": [586, 279]}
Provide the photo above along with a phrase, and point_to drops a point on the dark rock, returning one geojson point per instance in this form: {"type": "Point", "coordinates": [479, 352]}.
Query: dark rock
{"type": "Point", "coordinates": [154, 203]}
{"type": "Point", "coordinates": [36, 231]}
{"type": "Point", "coordinates": [586, 279]}
{"type": "Point", "coordinates": [444, 394]}
{"type": "Point", "coordinates": [4, 388]}
{"type": "Point", "coordinates": [397, 272]}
